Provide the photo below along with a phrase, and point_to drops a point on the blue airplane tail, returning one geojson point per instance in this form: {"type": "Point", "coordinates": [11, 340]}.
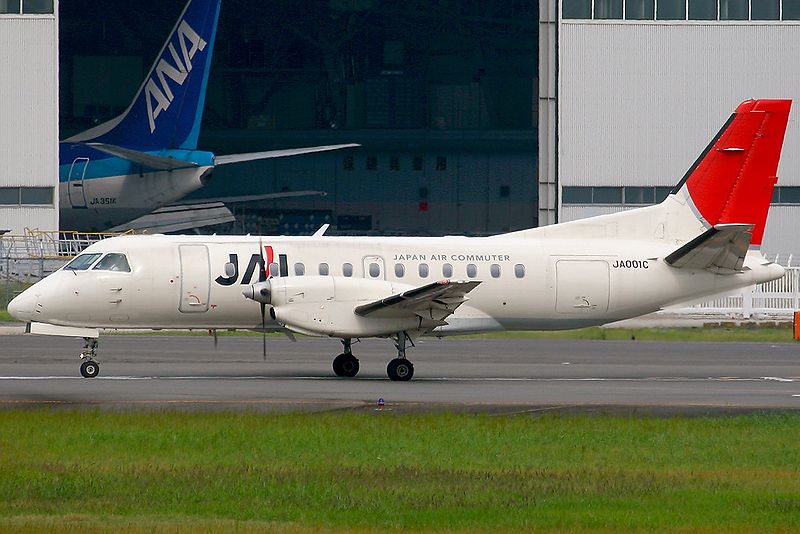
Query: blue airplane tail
{"type": "Point", "coordinates": [168, 108]}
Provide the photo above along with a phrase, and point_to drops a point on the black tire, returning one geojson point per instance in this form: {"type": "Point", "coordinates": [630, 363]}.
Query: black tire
{"type": "Point", "coordinates": [400, 370]}
{"type": "Point", "coordinates": [345, 365]}
{"type": "Point", "coordinates": [89, 369]}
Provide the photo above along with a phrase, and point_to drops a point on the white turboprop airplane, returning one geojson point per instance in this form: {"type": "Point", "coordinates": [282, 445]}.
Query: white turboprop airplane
{"type": "Point", "coordinates": [702, 240]}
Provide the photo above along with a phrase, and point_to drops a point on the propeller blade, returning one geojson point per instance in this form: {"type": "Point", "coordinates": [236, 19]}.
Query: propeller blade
{"type": "Point", "coordinates": [263, 306]}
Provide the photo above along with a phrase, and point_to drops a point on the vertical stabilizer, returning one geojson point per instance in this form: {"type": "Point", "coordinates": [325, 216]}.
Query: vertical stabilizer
{"type": "Point", "coordinates": [732, 180]}
{"type": "Point", "coordinates": [167, 110]}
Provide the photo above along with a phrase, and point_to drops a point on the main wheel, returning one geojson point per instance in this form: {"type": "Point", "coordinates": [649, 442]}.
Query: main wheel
{"type": "Point", "coordinates": [89, 369]}
{"type": "Point", "coordinates": [345, 365]}
{"type": "Point", "coordinates": [400, 369]}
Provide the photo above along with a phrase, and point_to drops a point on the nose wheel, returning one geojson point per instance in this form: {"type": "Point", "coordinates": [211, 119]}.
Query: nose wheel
{"type": "Point", "coordinates": [346, 364]}
{"type": "Point", "coordinates": [89, 367]}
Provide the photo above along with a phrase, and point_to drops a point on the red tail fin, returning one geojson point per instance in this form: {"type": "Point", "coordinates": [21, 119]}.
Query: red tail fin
{"type": "Point", "coordinates": [732, 180]}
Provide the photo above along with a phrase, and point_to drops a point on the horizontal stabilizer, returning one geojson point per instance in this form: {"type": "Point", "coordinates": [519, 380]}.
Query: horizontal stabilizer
{"type": "Point", "coordinates": [269, 154]}
{"type": "Point", "coordinates": [179, 218]}
{"type": "Point", "coordinates": [244, 199]}
{"type": "Point", "coordinates": [143, 158]}
{"type": "Point", "coordinates": [436, 300]}
{"type": "Point", "coordinates": [721, 249]}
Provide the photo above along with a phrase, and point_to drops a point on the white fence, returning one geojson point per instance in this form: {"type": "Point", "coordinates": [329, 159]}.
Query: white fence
{"type": "Point", "coordinates": [779, 299]}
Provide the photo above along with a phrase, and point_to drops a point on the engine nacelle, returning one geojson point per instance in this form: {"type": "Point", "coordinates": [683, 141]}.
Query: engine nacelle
{"type": "Point", "coordinates": [324, 305]}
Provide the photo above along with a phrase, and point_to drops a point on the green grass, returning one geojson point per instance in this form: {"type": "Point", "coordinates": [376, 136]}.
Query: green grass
{"type": "Point", "coordinates": [376, 472]}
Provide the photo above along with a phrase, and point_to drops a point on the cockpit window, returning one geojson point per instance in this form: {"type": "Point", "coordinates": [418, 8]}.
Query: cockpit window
{"type": "Point", "coordinates": [82, 262]}
{"type": "Point", "coordinates": [113, 262]}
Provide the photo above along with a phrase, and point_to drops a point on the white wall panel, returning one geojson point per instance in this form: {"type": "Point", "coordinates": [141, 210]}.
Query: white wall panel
{"type": "Point", "coordinates": [29, 114]}
{"type": "Point", "coordinates": [782, 234]}
{"type": "Point", "coordinates": [638, 102]}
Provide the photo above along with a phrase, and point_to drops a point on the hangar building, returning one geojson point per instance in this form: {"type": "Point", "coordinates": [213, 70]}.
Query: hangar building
{"type": "Point", "coordinates": [631, 91]}
{"type": "Point", "coordinates": [28, 115]}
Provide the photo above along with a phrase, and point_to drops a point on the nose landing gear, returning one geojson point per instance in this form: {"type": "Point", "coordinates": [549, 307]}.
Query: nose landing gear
{"type": "Point", "coordinates": [89, 367]}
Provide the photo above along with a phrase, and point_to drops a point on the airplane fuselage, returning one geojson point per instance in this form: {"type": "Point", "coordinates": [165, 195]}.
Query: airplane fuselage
{"type": "Point", "coordinates": [526, 283]}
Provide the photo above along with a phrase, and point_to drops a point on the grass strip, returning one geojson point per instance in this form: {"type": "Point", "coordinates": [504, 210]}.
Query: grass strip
{"type": "Point", "coordinates": [380, 471]}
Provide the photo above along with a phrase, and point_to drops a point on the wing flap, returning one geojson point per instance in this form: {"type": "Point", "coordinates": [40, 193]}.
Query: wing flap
{"type": "Point", "coordinates": [721, 249]}
{"type": "Point", "coordinates": [435, 301]}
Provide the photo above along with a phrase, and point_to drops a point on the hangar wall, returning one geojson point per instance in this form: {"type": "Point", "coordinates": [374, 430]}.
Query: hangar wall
{"type": "Point", "coordinates": [28, 120]}
{"type": "Point", "coordinates": [639, 100]}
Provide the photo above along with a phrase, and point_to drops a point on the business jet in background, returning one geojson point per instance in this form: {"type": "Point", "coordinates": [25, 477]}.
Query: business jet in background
{"type": "Point", "coordinates": [147, 157]}
{"type": "Point", "coordinates": [703, 239]}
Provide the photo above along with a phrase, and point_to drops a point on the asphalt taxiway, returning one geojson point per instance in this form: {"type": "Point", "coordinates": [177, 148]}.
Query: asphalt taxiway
{"type": "Point", "coordinates": [463, 374]}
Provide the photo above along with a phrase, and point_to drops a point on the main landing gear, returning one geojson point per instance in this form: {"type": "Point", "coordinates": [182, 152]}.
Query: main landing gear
{"type": "Point", "coordinates": [89, 367]}
{"type": "Point", "coordinates": [346, 364]}
{"type": "Point", "coordinates": [399, 369]}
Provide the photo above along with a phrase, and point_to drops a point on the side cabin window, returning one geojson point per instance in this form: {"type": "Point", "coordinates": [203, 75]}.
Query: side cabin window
{"type": "Point", "coordinates": [423, 270]}
{"type": "Point", "coordinates": [347, 269]}
{"type": "Point", "coordinates": [299, 269]}
{"type": "Point", "coordinates": [399, 270]}
{"type": "Point", "coordinates": [374, 270]}
{"type": "Point", "coordinates": [519, 270]}
{"type": "Point", "coordinates": [274, 269]}
{"type": "Point", "coordinates": [447, 270]}
{"type": "Point", "coordinates": [82, 262]}
{"type": "Point", "coordinates": [323, 269]}
{"type": "Point", "coordinates": [113, 262]}
{"type": "Point", "coordinates": [494, 270]}
{"type": "Point", "coordinates": [472, 270]}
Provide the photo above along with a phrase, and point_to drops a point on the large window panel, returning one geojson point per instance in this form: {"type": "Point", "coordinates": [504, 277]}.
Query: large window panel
{"type": "Point", "coordinates": [702, 9]}
{"type": "Point", "coordinates": [37, 7]}
{"type": "Point", "coordinates": [790, 195]}
{"type": "Point", "coordinates": [576, 9]}
{"type": "Point", "coordinates": [765, 10]}
{"type": "Point", "coordinates": [640, 195]}
{"type": "Point", "coordinates": [576, 195]}
{"type": "Point", "coordinates": [791, 9]}
{"type": "Point", "coordinates": [37, 195]}
{"type": "Point", "coordinates": [9, 196]}
{"type": "Point", "coordinates": [639, 10]}
{"type": "Point", "coordinates": [607, 9]}
{"type": "Point", "coordinates": [607, 195]}
{"type": "Point", "coordinates": [9, 6]}
{"type": "Point", "coordinates": [733, 10]}
{"type": "Point", "coordinates": [671, 10]}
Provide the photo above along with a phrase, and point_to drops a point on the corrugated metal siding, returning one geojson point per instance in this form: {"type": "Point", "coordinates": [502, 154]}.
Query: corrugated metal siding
{"type": "Point", "coordinates": [29, 114]}
{"type": "Point", "coordinates": [781, 234]}
{"type": "Point", "coordinates": [639, 102]}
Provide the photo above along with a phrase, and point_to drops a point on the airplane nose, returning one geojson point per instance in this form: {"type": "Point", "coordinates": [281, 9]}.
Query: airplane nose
{"type": "Point", "coordinates": [21, 307]}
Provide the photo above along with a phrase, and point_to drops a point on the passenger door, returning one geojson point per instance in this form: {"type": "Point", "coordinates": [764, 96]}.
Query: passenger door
{"type": "Point", "coordinates": [75, 190]}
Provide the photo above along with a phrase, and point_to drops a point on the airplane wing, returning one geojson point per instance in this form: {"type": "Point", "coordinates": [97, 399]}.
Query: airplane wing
{"type": "Point", "coordinates": [432, 301]}
{"type": "Point", "coordinates": [720, 249]}
{"type": "Point", "coordinates": [250, 156]}
{"type": "Point", "coordinates": [142, 158]}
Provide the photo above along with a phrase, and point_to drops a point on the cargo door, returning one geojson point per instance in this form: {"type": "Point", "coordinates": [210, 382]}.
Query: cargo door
{"type": "Point", "coordinates": [195, 278]}
{"type": "Point", "coordinates": [582, 287]}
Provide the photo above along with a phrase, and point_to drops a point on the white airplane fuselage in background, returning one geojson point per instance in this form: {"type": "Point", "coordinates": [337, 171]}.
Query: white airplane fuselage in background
{"type": "Point", "coordinates": [701, 240]}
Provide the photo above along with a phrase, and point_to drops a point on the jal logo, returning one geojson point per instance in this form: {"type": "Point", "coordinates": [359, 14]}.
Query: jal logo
{"type": "Point", "coordinates": [257, 261]}
{"type": "Point", "coordinates": [157, 93]}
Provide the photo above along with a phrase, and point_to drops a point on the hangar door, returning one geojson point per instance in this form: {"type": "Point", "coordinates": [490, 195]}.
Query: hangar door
{"type": "Point", "coordinates": [582, 286]}
{"type": "Point", "coordinates": [195, 278]}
